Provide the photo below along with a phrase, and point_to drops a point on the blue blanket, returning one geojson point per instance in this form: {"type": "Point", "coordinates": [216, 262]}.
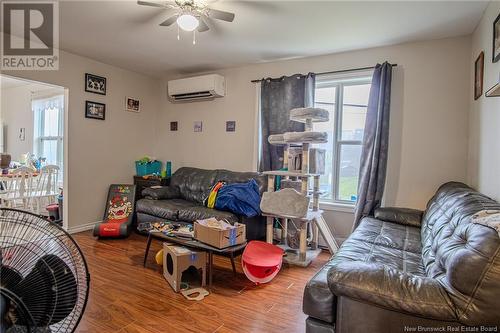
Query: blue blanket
{"type": "Point", "coordinates": [241, 198]}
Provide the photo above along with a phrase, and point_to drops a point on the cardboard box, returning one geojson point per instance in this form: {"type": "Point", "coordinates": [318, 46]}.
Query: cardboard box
{"type": "Point", "coordinates": [220, 238]}
{"type": "Point", "coordinates": [177, 260]}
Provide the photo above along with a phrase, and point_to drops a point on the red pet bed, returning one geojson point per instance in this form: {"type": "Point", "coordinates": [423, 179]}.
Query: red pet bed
{"type": "Point", "coordinates": [261, 261]}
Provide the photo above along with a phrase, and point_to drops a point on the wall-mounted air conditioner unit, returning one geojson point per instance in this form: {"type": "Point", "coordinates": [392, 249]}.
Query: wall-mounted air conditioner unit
{"type": "Point", "coordinates": [196, 88]}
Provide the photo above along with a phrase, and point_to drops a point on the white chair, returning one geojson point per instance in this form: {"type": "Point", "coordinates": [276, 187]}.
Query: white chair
{"type": "Point", "coordinates": [46, 190]}
{"type": "Point", "coordinates": [17, 188]}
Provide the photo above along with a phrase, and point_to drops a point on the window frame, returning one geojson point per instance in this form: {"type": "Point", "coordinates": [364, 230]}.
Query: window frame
{"type": "Point", "coordinates": [339, 82]}
{"type": "Point", "coordinates": [40, 137]}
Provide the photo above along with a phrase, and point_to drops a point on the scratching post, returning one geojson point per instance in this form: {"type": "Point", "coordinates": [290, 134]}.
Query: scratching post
{"type": "Point", "coordinates": [311, 167]}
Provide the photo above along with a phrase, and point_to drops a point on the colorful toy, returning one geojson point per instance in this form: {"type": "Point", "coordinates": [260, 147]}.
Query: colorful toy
{"type": "Point", "coordinates": [118, 215]}
{"type": "Point", "coordinates": [261, 261]}
{"type": "Point", "coordinates": [159, 258]}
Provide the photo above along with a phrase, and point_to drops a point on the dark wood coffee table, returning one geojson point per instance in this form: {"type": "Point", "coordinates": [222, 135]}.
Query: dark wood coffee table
{"type": "Point", "coordinates": [196, 245]}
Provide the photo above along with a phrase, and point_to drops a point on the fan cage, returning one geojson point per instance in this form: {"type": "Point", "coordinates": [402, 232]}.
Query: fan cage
{"type": "Point", "coordinates": [24, 239]}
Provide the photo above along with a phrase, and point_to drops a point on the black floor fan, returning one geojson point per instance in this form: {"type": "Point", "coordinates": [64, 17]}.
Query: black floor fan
{"type": "Point", "coordinates": [44, 280]}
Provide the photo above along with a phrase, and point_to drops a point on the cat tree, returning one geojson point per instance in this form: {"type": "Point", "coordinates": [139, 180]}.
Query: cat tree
{"type": "Point", "coordinates": [286, 206]}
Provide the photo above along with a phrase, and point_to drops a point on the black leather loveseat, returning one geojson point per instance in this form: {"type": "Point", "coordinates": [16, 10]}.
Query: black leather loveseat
{"type": "Point", "coordinates": [405, 270]}
{"type": "Point", "coordinates": [183, 199]}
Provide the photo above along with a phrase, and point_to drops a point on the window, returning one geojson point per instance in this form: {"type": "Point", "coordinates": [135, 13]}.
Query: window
{"type": "Point", "coordinates": [346, 98]}
{"type": "Point", "coordinates": [48, 129]}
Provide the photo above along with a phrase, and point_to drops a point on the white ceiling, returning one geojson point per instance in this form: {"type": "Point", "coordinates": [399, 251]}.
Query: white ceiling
{"type": "Point", "coordinates": [127, 35]}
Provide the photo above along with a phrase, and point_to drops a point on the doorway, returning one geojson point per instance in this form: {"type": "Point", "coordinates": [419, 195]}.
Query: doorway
{"type": "Point", "coordinates": [33, 144]}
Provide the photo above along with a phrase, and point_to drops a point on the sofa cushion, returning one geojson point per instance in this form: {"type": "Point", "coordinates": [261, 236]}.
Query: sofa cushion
{"type": "Point", "coordinates": [161, 193]}
{"type": "Point", "coordinates": [193, 213]}
{"type": "Point", "coordinates": [373, 241]}
{"type": "Point", "coordinates": [390, 288]}
{"type": "Point", "coordinates": [464, 257]}
{"type": "Point", "coordinates": [408, 216]}
{"type": "Point", "coordinates": [388, 243]}
{"type": "Point", "coordinates": [165, 209]}
{"type": "Point", "coordinates": [389, 234]}
{"type": "Point", "coordinates": [194, 184]}
{"type": "Point", "coordinates": [232, 177]}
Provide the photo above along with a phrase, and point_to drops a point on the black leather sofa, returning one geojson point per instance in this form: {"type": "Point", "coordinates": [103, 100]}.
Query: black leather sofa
{"type": "Point", "coordinates": [405, 270]}
{"type": "Point", "coordinates": [183, 199]}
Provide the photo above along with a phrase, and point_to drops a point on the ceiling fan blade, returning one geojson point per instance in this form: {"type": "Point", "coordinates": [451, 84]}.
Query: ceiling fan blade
{"type": "Point", "coordinates": [169, 21]}
{"type": "Point", "coordinates": [220, 15]}
{"type": "Point", "coordinates": [203, 25]}
{"type": "Point", "coordinates": [151, 4]}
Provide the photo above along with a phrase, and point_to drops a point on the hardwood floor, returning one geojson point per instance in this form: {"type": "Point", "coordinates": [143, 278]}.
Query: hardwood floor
{"type": "Point", "coordinates": [128, 298]}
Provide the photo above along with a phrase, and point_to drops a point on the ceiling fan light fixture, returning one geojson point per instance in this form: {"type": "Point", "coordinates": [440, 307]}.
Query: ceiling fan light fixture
{"type": "Point", "coordinates": [188, 22]}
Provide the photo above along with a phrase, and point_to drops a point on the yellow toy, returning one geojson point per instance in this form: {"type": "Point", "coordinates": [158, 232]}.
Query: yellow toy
{"type": "Point", "coordinates": [159, 257]}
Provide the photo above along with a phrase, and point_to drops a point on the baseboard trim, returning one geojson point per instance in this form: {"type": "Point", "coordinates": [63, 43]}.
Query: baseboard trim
{"type": "Point", "coordinates": [83, 227]}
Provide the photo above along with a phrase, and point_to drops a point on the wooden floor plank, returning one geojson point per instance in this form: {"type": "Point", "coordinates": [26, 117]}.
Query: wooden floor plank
{"type": "Point", "coordinates": [125, 297]}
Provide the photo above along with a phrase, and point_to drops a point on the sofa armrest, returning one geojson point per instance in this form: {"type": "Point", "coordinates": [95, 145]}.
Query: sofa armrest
{"type": "Point", "coordinates": [392, 289]}
{"type": "Point", "coordinates": [161, 193]}
{"type": "Point", "coordinates": [405, 216]}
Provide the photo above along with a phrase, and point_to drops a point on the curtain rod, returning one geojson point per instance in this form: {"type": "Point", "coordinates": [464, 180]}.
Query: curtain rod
{"type": "Point", "coordinates": [336, 72]}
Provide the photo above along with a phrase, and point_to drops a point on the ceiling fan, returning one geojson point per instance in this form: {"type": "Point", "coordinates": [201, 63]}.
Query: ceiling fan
{"type": "Point", "coordinates": [190, 15]}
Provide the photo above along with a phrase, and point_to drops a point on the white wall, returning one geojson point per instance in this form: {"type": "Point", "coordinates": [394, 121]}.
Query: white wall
{"type": "Point", "coordinates": [428, 124]}
{"type": "Point", "coordinates": [101, 152]}
{"type": "Point", "coordinates": [484, 118]}
{"type": "Point", "coordinates": [16, 113]}
{"type": "Point", "coordinates": [428, 118]}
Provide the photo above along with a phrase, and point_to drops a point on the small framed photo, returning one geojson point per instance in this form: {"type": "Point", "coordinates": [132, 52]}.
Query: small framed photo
{"type": "Point", "coordinates": [230, 126]}
{"type": "Point", "coordinates": [132, 104]}
{"type": "Point", "coordinates": [95, 84]}
{"type": "Point", "coordinates": [496, 39]}
{"type": "Point", "coordinates": [174, 125]}
{"type": "Point", "coordinates": [478, 76]}
{"type": "Point", "coordinates": [95, 110]}
{"type": "Point", "coordinates": [198, 126]}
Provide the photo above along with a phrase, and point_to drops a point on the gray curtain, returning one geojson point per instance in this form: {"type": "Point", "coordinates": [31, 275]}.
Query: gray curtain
{"type": "Point", "coordinates": [373, 165]}
{"type": "Point", "coordinates": [278, 97]}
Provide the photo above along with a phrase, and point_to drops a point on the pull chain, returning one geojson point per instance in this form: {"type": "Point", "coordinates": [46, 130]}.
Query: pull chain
{"type": "Point", "coordinates": [178, 33]}
{"type": "Point", "coordinates": [194, 37]}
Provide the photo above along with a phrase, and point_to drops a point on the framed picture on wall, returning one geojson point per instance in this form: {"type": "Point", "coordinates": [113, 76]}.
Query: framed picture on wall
{"type": "Point", "coordinates": [95, 84]}
{"type": "Point", "coordinates": [198, 126]}
{"type": "Point", "coordinates": [496, 39]}
{"type": "Point", "coordinates": [478, 76]}
{"type": "Point", "coordinates": [95, 110]}
{"type": "Point", "coordinates": [132, 104]}
{"type": "Point", "coordinates": [231, 126]}
{"type": "Point", "coordinates": [174, 125]}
